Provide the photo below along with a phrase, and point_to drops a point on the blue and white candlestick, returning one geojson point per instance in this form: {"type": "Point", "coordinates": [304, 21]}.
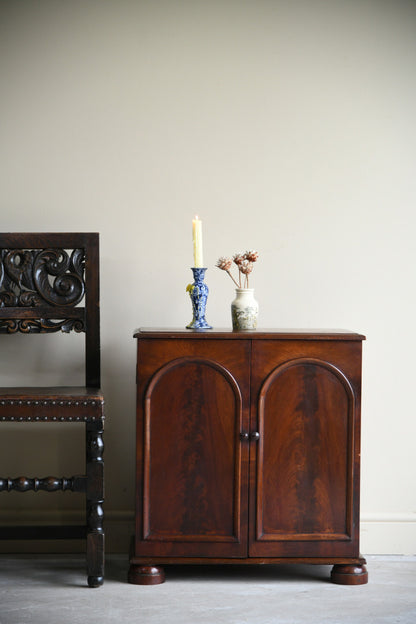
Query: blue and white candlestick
{"type": "Point", "coordinates": [198, 292]}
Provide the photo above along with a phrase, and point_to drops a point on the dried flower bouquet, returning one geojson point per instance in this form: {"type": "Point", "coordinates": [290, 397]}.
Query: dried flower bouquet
{"type": "Point", "coordinates": [244, 262]}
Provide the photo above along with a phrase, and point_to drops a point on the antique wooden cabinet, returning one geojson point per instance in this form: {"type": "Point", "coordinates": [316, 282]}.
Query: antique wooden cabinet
{"type": "Point", "coordinates": [248, 450]}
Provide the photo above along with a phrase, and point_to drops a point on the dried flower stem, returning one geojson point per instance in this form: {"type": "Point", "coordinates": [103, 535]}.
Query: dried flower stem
{"type": "Point", "coordinates": [235, 282]}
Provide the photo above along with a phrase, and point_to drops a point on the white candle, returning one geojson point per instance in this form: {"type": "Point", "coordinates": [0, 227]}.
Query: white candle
{"type": "Point", "coordinates": [197, 241]}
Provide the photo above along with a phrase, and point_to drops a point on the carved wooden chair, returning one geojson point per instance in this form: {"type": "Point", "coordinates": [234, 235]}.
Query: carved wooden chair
{"type": "Point", "coordinates": [50, 283]}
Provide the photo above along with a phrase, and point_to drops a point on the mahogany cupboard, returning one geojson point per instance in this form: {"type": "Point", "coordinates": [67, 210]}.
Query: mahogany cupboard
{"type": "Point", "coordinates": [248, 450]}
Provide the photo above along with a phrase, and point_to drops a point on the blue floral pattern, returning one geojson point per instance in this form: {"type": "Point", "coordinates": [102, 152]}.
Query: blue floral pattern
{"type": "Point", "coordinates": [198, 292]}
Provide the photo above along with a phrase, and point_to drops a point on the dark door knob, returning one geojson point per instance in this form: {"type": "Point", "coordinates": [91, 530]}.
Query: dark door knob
{"type": "Point", "coordinates": [255, 436]}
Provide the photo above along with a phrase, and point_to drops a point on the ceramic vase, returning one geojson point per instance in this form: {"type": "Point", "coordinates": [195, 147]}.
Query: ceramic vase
{"type": "Point", "coordinates": [198, 292]}
{"type": "Point", "coordinates": [244, 309]}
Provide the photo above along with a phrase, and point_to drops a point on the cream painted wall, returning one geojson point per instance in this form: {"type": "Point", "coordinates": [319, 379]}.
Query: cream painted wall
{"type": "Point", "coordinates": [289, 127]}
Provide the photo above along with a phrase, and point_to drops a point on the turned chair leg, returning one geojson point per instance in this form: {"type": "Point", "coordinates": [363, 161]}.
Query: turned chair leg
{"type": "Point", "coordinates": [95, 499]}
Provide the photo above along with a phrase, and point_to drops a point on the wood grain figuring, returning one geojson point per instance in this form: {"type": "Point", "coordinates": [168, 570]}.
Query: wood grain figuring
{"type": "Point", "coordinates": [304, 416]}
{"type": "Point", "coordinates": [192, 478]}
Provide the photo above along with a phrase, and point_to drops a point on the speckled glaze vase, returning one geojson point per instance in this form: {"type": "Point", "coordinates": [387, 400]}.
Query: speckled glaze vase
{"type": "Point", "coordinates": [244, 309]}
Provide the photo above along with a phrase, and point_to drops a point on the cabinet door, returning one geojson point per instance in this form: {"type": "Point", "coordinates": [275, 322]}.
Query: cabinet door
{"type": "Point", "coordinates": [193, 470]}
{"type": "Point", "coordinates": [305, 463]}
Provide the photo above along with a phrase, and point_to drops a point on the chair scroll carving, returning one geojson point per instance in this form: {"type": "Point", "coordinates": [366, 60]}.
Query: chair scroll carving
{"type": "Point", "coordinates": [40, 279]}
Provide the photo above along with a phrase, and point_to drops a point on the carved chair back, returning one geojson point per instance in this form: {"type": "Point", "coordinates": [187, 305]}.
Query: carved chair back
{"type": "Point", "coordinates": [49, 283]}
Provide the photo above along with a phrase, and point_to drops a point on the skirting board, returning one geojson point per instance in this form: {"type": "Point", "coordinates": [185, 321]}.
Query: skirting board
{"type": "Point", "coordinates": [388, 533]}
{"type": "Point", "coordinates": [381, 533]}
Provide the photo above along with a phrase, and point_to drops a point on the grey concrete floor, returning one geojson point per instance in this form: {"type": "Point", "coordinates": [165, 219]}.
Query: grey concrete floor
{"type": "Point", "coordinates": [41, 589]}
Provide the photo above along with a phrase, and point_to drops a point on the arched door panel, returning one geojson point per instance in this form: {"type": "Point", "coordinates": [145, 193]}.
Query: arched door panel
{"type": "Point", "coordinates": [194, 469]}
{"type": "Point", "coordinates": [304, 458]}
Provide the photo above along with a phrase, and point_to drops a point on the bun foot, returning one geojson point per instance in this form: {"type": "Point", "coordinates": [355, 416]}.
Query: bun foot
{"type": "Point", "coordinates": [95, 581]}
{"type": "Point", "coordinates": [349, 574]}
{"type": "Point", "coordinates": [146, 575]}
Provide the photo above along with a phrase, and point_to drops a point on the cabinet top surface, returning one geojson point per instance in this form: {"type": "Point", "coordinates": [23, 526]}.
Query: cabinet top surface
{"type": "Point", "coordinates": [263, 334]}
